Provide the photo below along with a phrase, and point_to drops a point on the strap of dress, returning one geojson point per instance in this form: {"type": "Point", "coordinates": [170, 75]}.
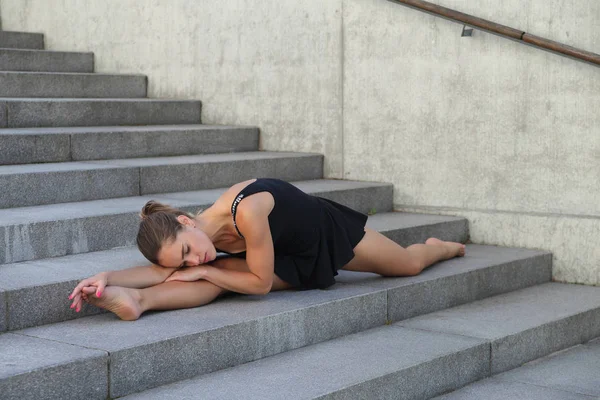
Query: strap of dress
{"type": "Point", "coordinates": [234, 210]}
{"type": "Point", "coordinates": [255, 187]}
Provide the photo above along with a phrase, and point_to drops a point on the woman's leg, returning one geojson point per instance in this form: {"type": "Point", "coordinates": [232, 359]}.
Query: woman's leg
{"type": "Point", "coordinates": [129, 304]}
{"type": "Point", "coordinates": [376, 253]}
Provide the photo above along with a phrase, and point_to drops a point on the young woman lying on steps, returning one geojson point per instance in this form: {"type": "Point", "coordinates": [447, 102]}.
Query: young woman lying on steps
{"type": "Point", "coordinates": [280, 237]}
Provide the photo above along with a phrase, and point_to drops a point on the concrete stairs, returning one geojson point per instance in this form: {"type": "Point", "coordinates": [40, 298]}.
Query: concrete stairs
{"type": "Point", "coordinates": [76, 165]}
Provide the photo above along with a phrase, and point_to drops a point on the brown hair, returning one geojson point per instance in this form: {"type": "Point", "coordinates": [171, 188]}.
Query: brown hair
{"type": "Point", "coordinates": [159, 225]}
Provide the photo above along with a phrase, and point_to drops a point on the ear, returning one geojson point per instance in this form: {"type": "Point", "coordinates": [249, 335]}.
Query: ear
{"type": "Point", "coordinates": [184, 220]}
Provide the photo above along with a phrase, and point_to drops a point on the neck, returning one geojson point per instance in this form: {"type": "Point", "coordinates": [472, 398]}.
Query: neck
{"type": "Point", "coordinates": [213, 225]}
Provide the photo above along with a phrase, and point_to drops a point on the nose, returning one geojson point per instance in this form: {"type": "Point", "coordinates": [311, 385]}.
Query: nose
{"type": "Point", "coordinates": [193, 261]}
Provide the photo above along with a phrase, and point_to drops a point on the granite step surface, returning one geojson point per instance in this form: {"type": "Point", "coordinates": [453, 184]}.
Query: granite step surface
{"type": "Point", "coordinates": [51, 183]}
{"type": "Point", "coordinates": [570, 374]}
{"type": "Point", "coordinates": [45, 61]}
{"type": "Point", "coordinates": [80, 85]}
{"type": "Point", "coordinates": [34, 291]}
{"type": "Point", "coordinates": [164, 347]}
{"type": "Point", "coordinates": [33, 233]}
{"type": "Point", "coordinates": [397, 364]}
{"type": "Point", "coordinates": [43, 145]}
{"type": "Point", "coordinates": [21, 40]}
{"type": "Point", "coordinates": [56, 112]}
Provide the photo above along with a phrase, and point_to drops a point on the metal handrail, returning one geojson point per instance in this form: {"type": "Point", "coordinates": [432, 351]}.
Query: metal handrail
{"type": "Point", "coordinates": [502, 30]}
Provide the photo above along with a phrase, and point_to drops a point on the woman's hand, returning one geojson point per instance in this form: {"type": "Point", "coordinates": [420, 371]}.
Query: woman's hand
{"type": "Point", "coordinates": [96, 284]}
{"type": "Point", "coordinates": [188, 274]}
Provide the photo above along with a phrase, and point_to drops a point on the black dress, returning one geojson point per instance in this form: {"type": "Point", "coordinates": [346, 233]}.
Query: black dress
{"type": "Point", "coordinates": [312, 237]}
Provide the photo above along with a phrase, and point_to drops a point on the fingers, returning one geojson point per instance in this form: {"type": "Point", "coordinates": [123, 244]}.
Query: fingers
{"type": "Point", "coordinates": [81, 296]}
{"type": "Point", "coordinates": [101, 286]}
{"type": "Point", "coordinates": [76, 302]}
{"type": "Point", "coordinates": [78, 288]}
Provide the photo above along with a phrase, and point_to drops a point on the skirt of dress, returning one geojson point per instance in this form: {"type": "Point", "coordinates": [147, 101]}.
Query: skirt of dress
{"type": "Point", "coordinates": [340, 230]}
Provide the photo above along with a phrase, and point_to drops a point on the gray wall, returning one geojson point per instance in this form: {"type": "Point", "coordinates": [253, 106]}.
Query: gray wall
{"type": "Point", "coordinates": [483, 127]}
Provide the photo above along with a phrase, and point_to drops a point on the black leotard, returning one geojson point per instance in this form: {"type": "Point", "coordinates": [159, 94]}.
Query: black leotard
{"type": "Point", "coordinates": [312, 237]}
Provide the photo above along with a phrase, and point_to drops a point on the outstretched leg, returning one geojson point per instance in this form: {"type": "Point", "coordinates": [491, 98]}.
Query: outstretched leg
{"type": "Point", "coordinates": [128, 304]}
{"type": "Point", "coordinates": [376, 253]}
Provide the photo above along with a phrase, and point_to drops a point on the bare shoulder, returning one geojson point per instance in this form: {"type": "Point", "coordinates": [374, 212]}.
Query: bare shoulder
{"type": "Point", "coordinates": [262, 202]}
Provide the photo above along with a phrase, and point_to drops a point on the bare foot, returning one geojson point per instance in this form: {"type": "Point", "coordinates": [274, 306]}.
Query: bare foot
{"type": "Point", "coordinates": [122, 301]}
{"type": "Point", "coordinates": [454, 249]}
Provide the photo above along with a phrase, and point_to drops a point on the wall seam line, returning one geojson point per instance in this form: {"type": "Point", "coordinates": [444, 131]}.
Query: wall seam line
{"type": "Point", "coordinates": [343, 82]}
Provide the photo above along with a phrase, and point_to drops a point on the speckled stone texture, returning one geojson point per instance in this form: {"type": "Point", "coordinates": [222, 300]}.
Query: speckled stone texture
{"type": "Point", "coordinates": [525, 324]}
{"type": "Point", "coordinates": [56, 230]}
{"type": "Point", "coordinates": [383, 363]}
{"type": "Point", "coordinates": [484, 271]}
{"type": "Point", "coordinates": [45, 61]}
{"type": "Point", "coordinates": [183, 343]}
{"type": "Point", "coordinates": [91, 112]}
{"type": "Point", "coordinates": [33, 148]}
{"type": "Point", "coordinates": [55, 84]}
{"type": "Point", "coordinates": [35, 145]}
{"type": "Point", "coordinates": [35, 184]}
{"type": "Point", "coordinates": [3, 312]}
{"type": "Point", "coordinates": [571, 374]}
{"type": "Point", "coordinates": [495, 389]}
{"type": "Point", "coordinates": [21, 40]}
{"type": "Point", "coordinates": [157, 141]}
{"type": "Point", "coordinates": [32, 368]}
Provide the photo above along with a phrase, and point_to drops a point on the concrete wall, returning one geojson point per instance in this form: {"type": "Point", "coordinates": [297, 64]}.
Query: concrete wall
{"type": "Point", "coordinates": [501, 133]}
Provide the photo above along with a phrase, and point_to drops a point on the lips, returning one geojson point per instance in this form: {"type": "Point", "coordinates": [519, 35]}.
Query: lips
{"type": "Point", "coordinates": [205, 258]}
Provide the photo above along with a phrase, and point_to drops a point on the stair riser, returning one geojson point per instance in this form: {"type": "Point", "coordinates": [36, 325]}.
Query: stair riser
{"type": "Point", "coordinates": [21, 40]}
{"type": "Point", "coordinates": [423, 381]}
{"type": "Point", "coordinates": [3, 311]}
{"type": "Point", "coordinates": [515, 350]}
{"type": "Point", "coordinates": [47, 113]}
{"type": "Point", "coordinates": [24, 190]}
{"type": "Point", "coordinates": [157, 144]}
{"type": "Point", "coordinates": [178, 178]}
{"type": "Point", "coordinates": [29, 189]}
{"type": "Point", "coordinates": [72, 85]}
{"type": "Point", "coordinates": [80, 235]}
{"type": "Point", "coordinates": [21, 149]}
{"type": "Point", "coordinates": [411, 301]}
{"type": "Point", "coordinates": [254, 340]}
{"type": "Point", "coordinates": [85, 376]}
{"type": "Point", "coordinates": [60, 147]}
{"type": "Point", "coordinates": [46, 61]}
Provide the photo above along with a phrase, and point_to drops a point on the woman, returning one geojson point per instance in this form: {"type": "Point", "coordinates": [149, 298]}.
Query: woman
{"type": "Point", "coordinates": [280, 237]}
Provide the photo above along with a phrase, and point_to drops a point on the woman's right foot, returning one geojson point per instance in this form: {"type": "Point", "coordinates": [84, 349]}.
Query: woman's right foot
{"type": "Point", "coordinates": [124, 302]}
{"type": "Point", "coordinates": [454, 249]}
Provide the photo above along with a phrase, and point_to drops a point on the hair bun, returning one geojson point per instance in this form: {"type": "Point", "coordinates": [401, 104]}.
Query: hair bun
{"type": "Point", "coordinates": [153, 207]}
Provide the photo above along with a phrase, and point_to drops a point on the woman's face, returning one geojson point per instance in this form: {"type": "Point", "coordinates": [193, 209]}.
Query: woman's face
{"type": "Point", "coordinates": [190, 248]}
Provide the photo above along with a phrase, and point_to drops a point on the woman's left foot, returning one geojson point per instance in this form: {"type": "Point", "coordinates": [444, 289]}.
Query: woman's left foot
{"type": "Point", "coordinates": [454, 249]}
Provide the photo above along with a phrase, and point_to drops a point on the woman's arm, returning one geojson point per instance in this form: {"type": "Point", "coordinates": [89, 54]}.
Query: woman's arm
{"type": "Point", "coordinates": [138, 277]}
{"type": "Point", "coordinates": [252, 220]}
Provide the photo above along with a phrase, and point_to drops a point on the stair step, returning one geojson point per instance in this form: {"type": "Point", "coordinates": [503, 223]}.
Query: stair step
{"type": "Point", "coordinates": [396, 361]}
{"type": "Point", "coordinates": [60, 84]}
{"type": "Point", "coordinates": [523, 325]}
{"type": "Point", "coordinates": [37, 184]}
{"type": "Point", "coordinates": [40, 145]}
{"type": "Point", "coordinates": [570, 374]}
{"type": "Point", "coordinates": [45, 61]}
{"type": "Point", "coordinates": [21, 40]}
{"type": "Point", "coordinates": [177, 344]}
{"type": "Point", "coordinates": [35, 112]}
{"type": "Point", "coordinates": [45, 283]}
{"type": "Point", "coordinates": [71, 228]}
{"type": "Point", "coordinates": [383, 363]}
{"type": "Point", "coordinates": [32, 368]}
